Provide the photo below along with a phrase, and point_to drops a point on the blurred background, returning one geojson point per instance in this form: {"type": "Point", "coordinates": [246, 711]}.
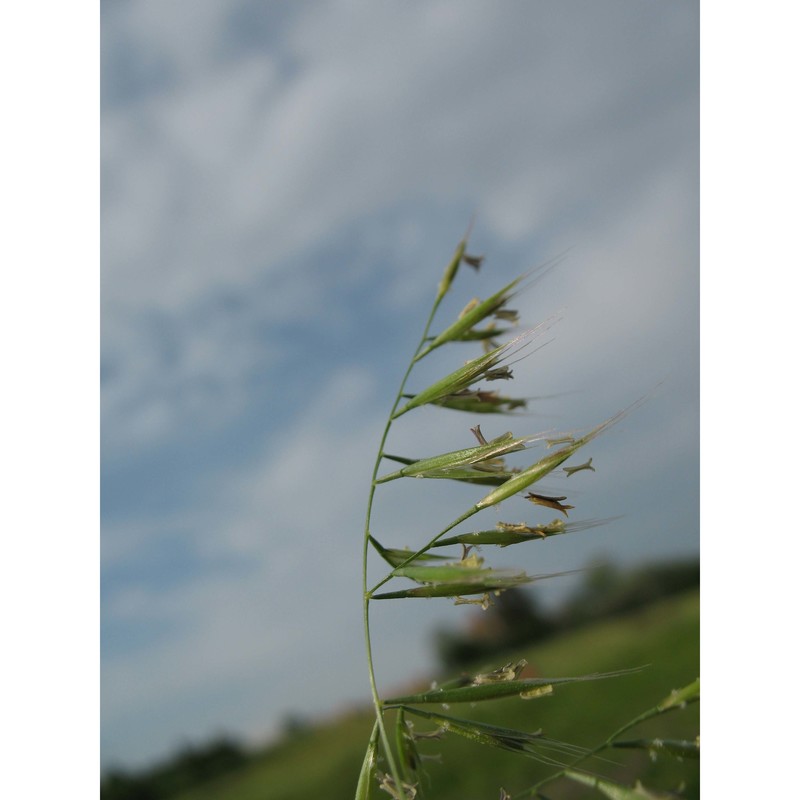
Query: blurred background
{"type": "Point", "coordinates": [282, 186]}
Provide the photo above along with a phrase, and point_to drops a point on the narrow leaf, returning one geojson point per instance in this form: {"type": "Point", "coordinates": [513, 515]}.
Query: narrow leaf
{"type": "Point", "coordinates": [484, 455]}
{"type": "Point", "coordinates": [400, 459]}
{"type": "Point", "coordinates": [395, 557]}
{"type": "Point", "coordinates": [474, 693]}
{"type": "Point", "coordinates": [508, 533]}
{"type": "Point", "coordinates": [497, 581]}
{"type": "Point", "coordinates": [455, 573]}
{"type": "Point", "coordinates": [406, 768]}
{"type": "Point", "coordinates": [494, 478]}
{"type": "Point", "coordinates": [493, 474]}
{"type": "Point", "coordinates": [367, 775]}
{"type": "Point", "coordinates": [453, 589]}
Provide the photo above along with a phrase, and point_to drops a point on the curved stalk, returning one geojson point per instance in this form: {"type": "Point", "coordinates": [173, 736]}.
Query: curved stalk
{"type": "Point", "coordinates": [378, 704]}
{"type": "Point", "coordinates": [439, 578]}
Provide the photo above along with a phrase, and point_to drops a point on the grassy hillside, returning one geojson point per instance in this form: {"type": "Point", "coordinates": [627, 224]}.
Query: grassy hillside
{"type": "Point", "coordinates": [325, 761]}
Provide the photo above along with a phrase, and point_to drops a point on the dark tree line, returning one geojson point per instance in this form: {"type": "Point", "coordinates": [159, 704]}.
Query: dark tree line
{"type": "Point", "coordinates": [191, 767]}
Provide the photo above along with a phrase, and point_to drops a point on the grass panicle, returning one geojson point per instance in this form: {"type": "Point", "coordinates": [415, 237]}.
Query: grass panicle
{"type": "Point", "coordinates": [464, 578]}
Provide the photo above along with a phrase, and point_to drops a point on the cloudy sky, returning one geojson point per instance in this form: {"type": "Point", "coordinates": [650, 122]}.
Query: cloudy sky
{"type": "Point", "coordinates": [282, 185]}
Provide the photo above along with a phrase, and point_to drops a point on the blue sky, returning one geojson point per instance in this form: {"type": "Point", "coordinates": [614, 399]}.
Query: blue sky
{"type": "Point", "coordinates": [282, 185]}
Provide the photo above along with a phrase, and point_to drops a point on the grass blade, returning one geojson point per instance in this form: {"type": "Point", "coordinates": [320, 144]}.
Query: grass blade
{"type": "Point", "coordinates": [495, 581]}
{"type": "Point", "coordinates": [454, 589]}
{"type": "Point", "coordinates": [474, 693]}
{"type": "Point", "coordinates": [506, 533]}
{"type": "Point", "coordinates": [443, 465]}
{"type": "Point", "coordinates": [455, 573]}
{"type": "Point", "coordinates": [395, 557]}
{"type": "Point", "coordinates": [366, 778]}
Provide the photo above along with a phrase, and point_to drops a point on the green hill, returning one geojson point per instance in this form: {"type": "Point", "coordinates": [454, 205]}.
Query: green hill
{"type": "Point", "coordinates": [324, 761]}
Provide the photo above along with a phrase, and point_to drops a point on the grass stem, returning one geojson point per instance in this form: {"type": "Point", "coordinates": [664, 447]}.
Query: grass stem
{"type": "Point", "coordinates": [368, 594]}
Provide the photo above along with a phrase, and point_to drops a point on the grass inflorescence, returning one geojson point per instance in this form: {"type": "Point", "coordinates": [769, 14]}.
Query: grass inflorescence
{"type": "Point", "coordinates": [392, 763]}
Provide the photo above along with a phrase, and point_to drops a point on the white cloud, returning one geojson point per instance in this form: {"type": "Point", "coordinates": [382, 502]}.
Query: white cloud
{"type": "Point", "coordinates": [463, 118]}
{"type": "Point", "coordinates": [210, 187]}
{"type": "Point", "coordinates": [295, 517]}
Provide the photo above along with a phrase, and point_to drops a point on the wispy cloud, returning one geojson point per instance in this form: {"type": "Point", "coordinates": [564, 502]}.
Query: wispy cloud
{"type": "Point", "coordinates": [281, 182]}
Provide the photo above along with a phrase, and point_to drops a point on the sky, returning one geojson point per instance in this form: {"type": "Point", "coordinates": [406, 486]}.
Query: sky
{"type": "Point", "coordinates": [282, 186]}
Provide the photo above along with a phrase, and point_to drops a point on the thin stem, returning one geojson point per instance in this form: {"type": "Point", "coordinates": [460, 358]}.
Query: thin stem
{"type": "Point", "coordinates": [532, 792]}
{"type": "Point", "coordinates": [367, 595]}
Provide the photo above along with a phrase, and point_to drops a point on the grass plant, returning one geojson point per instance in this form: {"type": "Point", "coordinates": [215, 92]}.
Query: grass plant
{"type": "Point", "coordinates": [392, 763]}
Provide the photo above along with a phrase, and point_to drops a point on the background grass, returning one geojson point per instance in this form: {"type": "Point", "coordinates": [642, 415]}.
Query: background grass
{"type": "Point", "coordinates": [325, 760]}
